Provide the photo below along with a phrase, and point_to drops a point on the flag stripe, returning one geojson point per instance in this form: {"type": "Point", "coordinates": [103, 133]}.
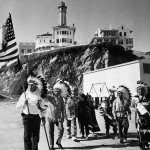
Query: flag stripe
{"type": "Point", "coordinates": [9, 59]}
{"type": "Point", "coordinates": [11, 53]}
{"type": "Point", "coordinates": [9, 56]}
{"type": "Point", "coordinates": [11, 46]}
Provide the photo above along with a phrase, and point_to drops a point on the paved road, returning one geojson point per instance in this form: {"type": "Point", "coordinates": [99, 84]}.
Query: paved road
{"type": "Point", "coordinates": [11, 134]}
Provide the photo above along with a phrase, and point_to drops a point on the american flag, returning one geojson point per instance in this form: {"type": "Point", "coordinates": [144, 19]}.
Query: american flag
{"type": "Point", "coordinates": [9, 48]}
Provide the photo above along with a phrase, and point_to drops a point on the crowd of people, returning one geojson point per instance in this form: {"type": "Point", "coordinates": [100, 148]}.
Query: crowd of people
{"type": "Point", "coordinates": [64, 104]}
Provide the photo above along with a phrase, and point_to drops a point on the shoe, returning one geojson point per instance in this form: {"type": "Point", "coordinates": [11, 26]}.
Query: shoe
{"type": "Point", "coordinates": [59, 145]}
{"type": "Point", "coordinates": [115, 136]}
{"type": "Point", "coordinates": [125, 139]}
{"type": "Point", "coordinates": [82, 137]}
{"type": "Point", "coordinates": [146, 144]}
{"type": "Point", "coordinates": [68, 136]}
{"type": "Point", "coordinates": [94, 135]}
{"type": "Point", "coordinates": [107, 134]}
{"type": "Point", "coordinates": [74, 138]}
{"type": "Point", "coordinates": [87, 137]}
{"type": "Point", "coordinates": [121, 141]}
{"type": "Point", "coordinates": [52, 148]}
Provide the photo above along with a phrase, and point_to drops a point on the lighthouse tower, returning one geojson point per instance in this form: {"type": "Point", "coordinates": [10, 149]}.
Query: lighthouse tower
{"type": "Point", "coordinates": [62, 14]}
{"type": "Point", "coordinates": [63, 34]}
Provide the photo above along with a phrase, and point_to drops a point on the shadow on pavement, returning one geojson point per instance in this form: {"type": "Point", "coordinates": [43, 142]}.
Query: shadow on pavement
{"type": "Point", "coordinates": [130, 142]}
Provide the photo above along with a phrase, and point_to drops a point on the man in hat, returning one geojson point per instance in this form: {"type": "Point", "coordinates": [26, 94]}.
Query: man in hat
{"type": "Point", "coordinates": [32, 104]}
{"type": "Point", "coordinates": [55, 115]}
{"type": "Point", "coordinates": [121, 112]}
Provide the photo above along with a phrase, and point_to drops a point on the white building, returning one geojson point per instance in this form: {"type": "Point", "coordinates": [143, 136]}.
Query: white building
{"type": "Point", "coordinates": [44, 41]}
{"type": "Point", "coordinates": [99, 81]}
{"type": "Point", "coordinates": [63, 35]}
{"type": "Point", "coordinates": [26, 48]}
{"type": "Point", "coordinates": [120, 35]}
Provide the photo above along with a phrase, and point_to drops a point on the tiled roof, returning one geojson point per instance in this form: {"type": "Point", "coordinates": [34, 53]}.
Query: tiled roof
{"type": "Point", "coordinates": [46, 34]}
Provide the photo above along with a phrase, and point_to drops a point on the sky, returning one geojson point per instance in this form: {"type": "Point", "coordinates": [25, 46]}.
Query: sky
{"type": "Point", "coordinates": [35, 17]}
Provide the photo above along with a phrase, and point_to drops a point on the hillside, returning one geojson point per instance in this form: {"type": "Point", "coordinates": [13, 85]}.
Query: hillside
{"type": "Point", "coordinates": [66, 63]}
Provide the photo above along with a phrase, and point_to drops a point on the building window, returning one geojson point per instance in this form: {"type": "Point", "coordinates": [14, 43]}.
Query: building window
{"type": "Point", "coordinates": [99, 40]}
{"type": "Point", "coordinates": [126, 41]}
{"type": "Point", "coordinates": [70, 32]}
{"type": "Point", "coordinates": [106, 40]}
{"type": "Point", "coordinates": [50, 41]}
{"type": "Point", "coordinates": [120, 41]}
{"type": "Point", "coordinates": [29, 50]}
{"type": "Point", "coordinates": [146, 68]}
{"type": "Point", "coordinates": [70, 40]}
{"type": "Point", "coordinates": [57, 32]}
{"type": "Point", "coordinates": [120, 33]}
{"type": "Point", "coordinates": [125, 34]}
{"type": "Point", "coordinates": [130, 41]}
{"type": "Point", "coordinates": [57, 41]}
{"type": "Point", "coordinates": [60, 32]}
{"type": "Point", "coordinates": [113, 41]}
{"type": "Point", "coordinates": [22, 50]}
{"type": "Point", "coordinates": [64, 40]}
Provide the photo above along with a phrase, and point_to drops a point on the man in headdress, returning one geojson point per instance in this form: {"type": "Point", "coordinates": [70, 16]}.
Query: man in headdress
{"type": "Point", "coordinates": [121, 112]}
{"type": "Point", "coordinates": [142, 91]}
{"type": "Point", "coordinates": [55, 115]}
{"type": "Point", "coordinates": [32, 103]}
{"type": "Point", "coordinates": [142, 111]}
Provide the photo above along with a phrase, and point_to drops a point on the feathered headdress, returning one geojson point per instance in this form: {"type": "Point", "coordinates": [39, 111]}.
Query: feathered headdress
{"type": "Point", "coordinates": [40, 84]}
{"type": "Point", "coordinates": [144, 86]}
{"type": "Point", "coordinates": [63, 86]}
{"type": "Point", "coordinates": [126, 93]}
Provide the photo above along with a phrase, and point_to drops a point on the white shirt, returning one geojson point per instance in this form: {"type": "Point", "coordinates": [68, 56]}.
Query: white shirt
{"type": "Point", "coordinates": [33, 99]}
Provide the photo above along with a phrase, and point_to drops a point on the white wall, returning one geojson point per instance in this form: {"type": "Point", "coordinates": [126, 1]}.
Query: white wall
{"type": "Point", "coordinates": [127, 74]}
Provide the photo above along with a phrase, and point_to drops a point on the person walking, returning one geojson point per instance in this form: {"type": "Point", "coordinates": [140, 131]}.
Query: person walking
{"type": "Point", "coordinates": [55, 116]}
{"type": "Point", "coordinates": [93, 125]}
{"type": "Point", "coordinates": [33, 110]}
{"type": "Point", "coordinates": [106, 111]}
{"type": "Point", "coordinates": [83, 115]}
{"type": "Point", "coordinates": [142, 109]}
{"type": "Point", "coordinates": [121, 111]}
{"type": "Point", "coordinates": [70, 113]}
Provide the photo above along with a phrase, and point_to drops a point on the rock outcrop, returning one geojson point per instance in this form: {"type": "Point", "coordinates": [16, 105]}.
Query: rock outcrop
{"type": "Point", "coordinates": [66, 63]}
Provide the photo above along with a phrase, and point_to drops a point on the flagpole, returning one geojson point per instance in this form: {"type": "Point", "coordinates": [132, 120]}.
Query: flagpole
{"type": "Point", "coordinates": [24, 93]}
{"type": "Point", "coordinates": [23, 85]}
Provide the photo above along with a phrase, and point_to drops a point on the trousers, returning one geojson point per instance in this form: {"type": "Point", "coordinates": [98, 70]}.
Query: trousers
{"type": "Point", "coordinates": [31, 131]}
{"type": "Point", "coordinates": [108, 123]}
{"type": "Point", "coordinates": [51, 129]}
{"type": "Point", "coordinates": [123, 126]}
{"type": "Point", "coordinates": [71, 127]}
